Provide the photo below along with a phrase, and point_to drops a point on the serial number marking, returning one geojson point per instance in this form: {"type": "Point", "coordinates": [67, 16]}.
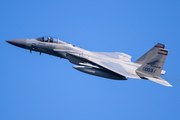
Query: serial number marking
{"type": "Point", "coordinates": [148, 69]}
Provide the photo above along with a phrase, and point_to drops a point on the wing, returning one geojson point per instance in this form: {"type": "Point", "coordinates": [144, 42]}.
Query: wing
{"type": "Point", "coordinates": [112, 66]}
{"type": "Point", "coordinates": [104, 61]}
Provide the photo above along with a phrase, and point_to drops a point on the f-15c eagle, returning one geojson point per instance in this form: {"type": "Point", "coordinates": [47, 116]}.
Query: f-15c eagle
{"type": "Point", "coordinates": [116, 65]}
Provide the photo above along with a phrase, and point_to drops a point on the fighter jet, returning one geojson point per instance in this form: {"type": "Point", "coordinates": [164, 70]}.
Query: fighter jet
{"type": "Point", "coordinates": [117, 65]}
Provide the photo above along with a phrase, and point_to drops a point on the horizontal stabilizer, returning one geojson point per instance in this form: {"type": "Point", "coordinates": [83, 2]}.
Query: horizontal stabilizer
{"type": "Point", "coordinates": [160, 81]}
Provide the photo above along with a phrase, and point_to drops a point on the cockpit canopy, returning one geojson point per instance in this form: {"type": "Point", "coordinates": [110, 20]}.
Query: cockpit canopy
{"type": "Point", "coordinates": [50, 39]}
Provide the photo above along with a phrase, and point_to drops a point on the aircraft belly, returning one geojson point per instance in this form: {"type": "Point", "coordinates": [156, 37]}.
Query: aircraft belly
{"type": "Point", "coordinates": [99, 72]}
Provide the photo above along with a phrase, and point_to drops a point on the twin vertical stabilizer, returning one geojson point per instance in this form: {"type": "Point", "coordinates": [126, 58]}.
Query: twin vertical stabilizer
{"type": "Point", "coordinates": [152, 64]}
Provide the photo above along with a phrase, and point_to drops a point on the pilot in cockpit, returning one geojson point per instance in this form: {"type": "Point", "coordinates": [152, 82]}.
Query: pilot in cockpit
{"type": "Point", "coordinates": [48, 40]}
{"type": "Point", "coordinates": [51, 40]}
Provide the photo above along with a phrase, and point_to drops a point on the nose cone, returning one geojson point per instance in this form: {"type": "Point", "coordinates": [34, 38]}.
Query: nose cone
{"type": "Point", "coordinates": [18, 42]}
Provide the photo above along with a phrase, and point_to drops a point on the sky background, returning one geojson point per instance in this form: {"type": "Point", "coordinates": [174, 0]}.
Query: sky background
{"type": "Point", "coordinates": [44, 87]}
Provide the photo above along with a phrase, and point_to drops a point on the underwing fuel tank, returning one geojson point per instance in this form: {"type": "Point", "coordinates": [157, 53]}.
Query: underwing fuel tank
{"type": "Point", "coordinates": [99, 72]}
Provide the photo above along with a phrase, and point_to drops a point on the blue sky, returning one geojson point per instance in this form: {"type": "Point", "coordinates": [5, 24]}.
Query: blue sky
{"type": "Point", "coordinates": [34, 87]}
